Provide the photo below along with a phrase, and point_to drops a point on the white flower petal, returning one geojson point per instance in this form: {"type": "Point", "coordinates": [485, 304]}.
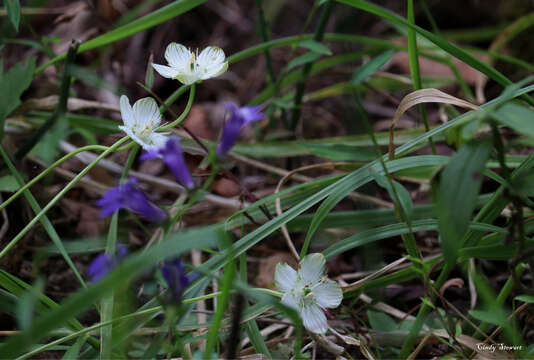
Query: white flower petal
{"type": "Point", "coordinates": [285, 277]}
{"type": "Point", "coordinates": [312, 268]}
{"type": "Point", "coordinates": [166, 71]}
{"type": "Point", "coordinates": [290, 300]}
{"type": "Point", "coordinates": [126, 111]}
{"type": "Point", "coordinates": [146, 113]}
{"type": "Point", "coordinates": [188, 78]}
{"type": "Point", "coordinates": [328, 294]}
{"type": "Point", "coordinates": [212, 55]}
{"type": "Point", "coordinates": [178, 56]}
{"type": "Point", "coordinates": [213, 70]}
{"type": "Point", "coordinates": [314, 319]}
{"type": "Point", "coordinates": [210, 63]}
{"type": "Point", "coordinates": [135, 138]}
{"type": "Point", "coordinates": [155, 141]}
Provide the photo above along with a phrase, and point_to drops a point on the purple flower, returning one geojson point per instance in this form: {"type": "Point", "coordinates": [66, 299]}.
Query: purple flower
{"type": "Point", "coordinates": [128, 195]}
{"type": "Point", "coordinates": [173, 157]}
{"type": "Point", "coordinates": [239, 117]}
{"type": "Point", "coordinates": [104, 263]}
{"type": "Point", "coordinates": [174, 274]}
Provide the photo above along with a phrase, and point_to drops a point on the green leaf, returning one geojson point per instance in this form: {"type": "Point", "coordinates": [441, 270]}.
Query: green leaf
{"type": "Point", "coordinates": [458, 190]}
{"type": "Point", "coordinates": [493, 317]}
{"type": "Point", "coordinates": [516, 117]}
{"type": "Point", "coordinates": [12, 85]}
{"type": "Point", "coordinates": [315, 47]}
{"type": "Point", "coordinates": [13, 12]}
{"type": "Point", "coordinates": [525, 298]}
{"type": "Point", "coordinates": [400, 192]}
{"type": "Point", "coordinates": [370, 67]}
{"type": "Point", "coordinates": [8, 183]}
{"type": "Point", "coordinates": [152, 19]}
{"type": "Point", "coordinates": [380, 321]}
{"type": "Point", "coordinates": [340, 152]}
{"type": "Point", "coordinates": [26, 306]}
{"type": "Point", "coordinates": [303, 59]}
{"type": "Point", "coordinates": [439, 41]}
{"type": "Point", "coordinates": [47, 149]}
{"type": "Point", "coordinates": [73, 352]}
{"type": "Point", "coordinates": [523, 185]}
{"type": "Point", "coordinates": [85, 298]}
{"type": "Point", "coordinates": [149, 75]}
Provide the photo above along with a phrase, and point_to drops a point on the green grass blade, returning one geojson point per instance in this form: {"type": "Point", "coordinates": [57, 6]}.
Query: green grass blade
{"type": "Point", "coordinates": [440, 42]}
{"type": "Point", "coordinates": [157, 17]}
{"type": "Point", "coordinates": [47, 225]}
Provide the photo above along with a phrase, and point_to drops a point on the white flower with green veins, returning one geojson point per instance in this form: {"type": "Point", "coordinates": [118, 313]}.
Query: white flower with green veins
{"type": "Point", "coordinates": [188, 67]}
{"type": "Point", "coordinates": [141, 122]}
{"type": "Point", "coordinates": [308, 291]}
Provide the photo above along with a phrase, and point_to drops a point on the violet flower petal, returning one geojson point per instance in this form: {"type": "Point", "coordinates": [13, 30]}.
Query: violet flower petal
{"type": "Point", "coordinates": [104, 263]}
{"type": "Point", "coordinates": [239, 117]}
{"type": "Point", "coordinates": [174, 274]}
{"type": "Point", "coordinates": [173, 157]}
{"type": "Point", "coordinates": [128, 195]}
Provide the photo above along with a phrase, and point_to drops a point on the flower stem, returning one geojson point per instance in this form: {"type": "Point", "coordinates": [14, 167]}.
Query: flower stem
{"type": "Point", "coordinates": [60, 194]}
{"type": "Point", "coordinates": [48, 170]}
{"type": "Point", "coordinates": [184, 114]}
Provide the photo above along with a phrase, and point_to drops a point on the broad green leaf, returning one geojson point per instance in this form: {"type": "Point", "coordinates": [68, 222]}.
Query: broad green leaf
{"type": "Point", "coordinates": [12, 84]}
{"type": "Point", "coordinates": [8, 183]}
{"type": "Point", "coordinates": [340, 152]}
{"type": "Point", "coordinates": [380, 321]}
{"type": "Point", "coordinates": [458, 189]}
{"type": "Point", "coordinates": [523, 185]}
{"type": "Point", "coordinates": [493, 317]}
{"type": "Point", "coordinates": [315, 47]}
{"type": "Point", "coordinates": [47, 149]}
{"type": "Point", "coordinates": [13, 12]}
{"type": "Point", "coordinates": [303, 59]}
{"type": "Point", "coordinates": [370, 67]}
{"type": "Point", "coordinates": [516, 117]}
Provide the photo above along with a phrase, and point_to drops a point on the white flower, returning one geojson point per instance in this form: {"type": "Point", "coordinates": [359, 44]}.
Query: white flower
{"type": "Point", "coordinates": [188, 67]}
{"type": "Point", "coordinates": [141, 122]}
{"type": "Point", "coordinates": [308, 292]}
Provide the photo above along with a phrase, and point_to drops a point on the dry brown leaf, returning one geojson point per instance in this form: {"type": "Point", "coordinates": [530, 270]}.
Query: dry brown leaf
{"type": "Point", "coordinates": [419, 97]}
{"type": "Point", "coordinates": [451, 282]}
{"type": "Point", "coordinates": [226, 187]}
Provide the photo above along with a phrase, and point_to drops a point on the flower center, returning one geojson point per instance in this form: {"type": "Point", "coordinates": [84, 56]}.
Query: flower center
{"type": "Point", "coordinates": [145, 130]}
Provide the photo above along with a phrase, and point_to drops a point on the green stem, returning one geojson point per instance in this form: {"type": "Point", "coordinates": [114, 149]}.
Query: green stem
{"type": "Point", "coordinates": [48, 170]}
{"type": "Point", "coordinates": [44, 221]}
{"type": "Point", "coordinates": [229, 272]}
{"type": "Point", "coordinates": [89, 329]}
{"type": "Point", "coordinates": [264, 26]}
{"type": "Point", "coordinates": [106, 333]}
{"type": "Point", "coordinates": [184, 114]}
{"type": "Point", "coordinates": [423, 313]}
{"type": "Point", "coordinates": [60, 194]}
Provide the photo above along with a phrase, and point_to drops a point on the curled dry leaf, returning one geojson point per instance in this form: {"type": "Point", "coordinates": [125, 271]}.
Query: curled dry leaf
{"type": "Point", "coordinates": [420, 97]}
{"type": "Point", "coordinates": [451, 282]}
{"type": "Point", "coordinates": [327, 344]}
